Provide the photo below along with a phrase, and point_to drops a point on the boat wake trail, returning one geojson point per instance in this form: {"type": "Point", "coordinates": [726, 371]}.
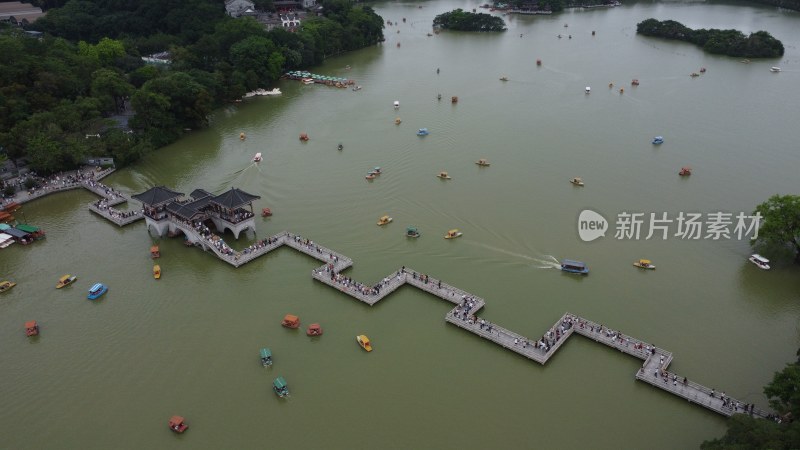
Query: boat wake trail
{"type": "Point", "coordinates": [540, 262]}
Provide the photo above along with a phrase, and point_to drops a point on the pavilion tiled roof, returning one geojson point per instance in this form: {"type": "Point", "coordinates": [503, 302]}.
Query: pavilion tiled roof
{"type": "Point", "coordinates": [234, 198]}
{"type": "Point", "coordinates": [157, 195]}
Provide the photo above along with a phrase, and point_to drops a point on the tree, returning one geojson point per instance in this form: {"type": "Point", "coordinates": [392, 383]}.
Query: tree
{"type": "Point", "coordinates": [781, 223]}
{"type": "Point", "coordinates": [111, 87]}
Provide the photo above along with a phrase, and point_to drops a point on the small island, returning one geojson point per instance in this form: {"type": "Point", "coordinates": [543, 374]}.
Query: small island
{"type": "Point", "coordinates": [722, 42]}
{"type": "Point", "coordinates": [461, 20]}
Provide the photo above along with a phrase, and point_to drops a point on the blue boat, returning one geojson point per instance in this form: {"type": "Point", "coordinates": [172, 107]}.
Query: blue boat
{"type": "Point", "coordinates": [658, 140]}
{"type": "Point", "coordinates": [422, 132]}
{"type": "Point", "coordinates": [571, 266]}
{"type": "Point", "coordinates": [97, 290]}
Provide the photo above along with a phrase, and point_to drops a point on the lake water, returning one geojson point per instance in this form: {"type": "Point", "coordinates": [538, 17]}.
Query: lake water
{"type": "Point", "coordinates": [108, 374]}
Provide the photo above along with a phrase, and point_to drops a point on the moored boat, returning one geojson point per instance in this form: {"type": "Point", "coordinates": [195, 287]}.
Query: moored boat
{"type": "Point", "coordinates": [266, 357]}
{"type": "Point", "coordinates": [155, 252]}
{"type": "Point", "coordinates": [65, 281]}
{"type": "Point", "coordinates": [483, 162]}
{"type": "Point", "coordinates": [760, 261]}
{"type": "Point", "coordinates": [96, 291]}
{"type": "Point", "coordinates": [577, 181]}
{"type": "Point", "coordinates": [413, 232]}
{"type": "Point", "coordinates": [384, 220]}
{"type": "Point", "coordinates": [177, 424]}
{"type": "Point", "coordinates": [364, 342]}
{"type": "Point", "coordinates": [156, 271]}
{"type": "Point", "coordinates": [280, 387]}
{"type": "Point", "coordinates": [571, 266]}
{"type": "Point", "coordinates": [452, 234]}
{"type": "Point", "coordinates": [644, 264]}
{"type": "Point", "coordinates": [31, 328]}
{"type": "Point", "coordinates": [314, 329]}
{"type": "Point", "coordinates": [443, 175]}
{"type": "Point", "coordinates": [290, 321]}
{"type": "Point", "coordinates": [6, 285]}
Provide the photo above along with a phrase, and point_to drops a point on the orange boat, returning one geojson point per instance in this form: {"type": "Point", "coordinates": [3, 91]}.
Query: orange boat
{"type": "Point", "coordinates": [31, 328]}
{"type": "Point", "coordinates": [266, 212]}
{"type": "Point", "coordinates": [303, 137]}
{"type": "Point", "coordinates": [291, 321]}
{"type": "Point", "coordinates": [11, 207]}
{"type": "Point", "coordinates": [314, 330]}
{"type": "Point", "coordinates": [176, 424]}
{"type": "Point", "coordinates": [685, 171]}
{"type": "Point", "coordinates": [154, 252]}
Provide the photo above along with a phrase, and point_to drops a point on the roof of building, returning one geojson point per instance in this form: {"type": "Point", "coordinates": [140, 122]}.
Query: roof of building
{"type": "Point", "coordinates": [198, 194]}
{"type": "Point", "coordinates": [157, 195]}
{"type": "Point", "coordinates": [234, 198]}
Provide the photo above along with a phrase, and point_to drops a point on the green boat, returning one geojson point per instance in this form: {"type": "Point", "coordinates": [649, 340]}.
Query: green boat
{"type": "Point", "coordinates": [280, 387]}
{"type": "Point", "coordinates": [266, 357]}
{"type": "Point", "coordinates": [412, 232]}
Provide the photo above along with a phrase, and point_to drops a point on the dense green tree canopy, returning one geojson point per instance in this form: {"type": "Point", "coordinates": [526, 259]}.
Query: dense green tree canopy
{"type": "Point", "coordinates": [723, 42]}
{"type": "Point", "coordinates": [780, 223]}
{"type": "Point", "coordinates": [461, 20]}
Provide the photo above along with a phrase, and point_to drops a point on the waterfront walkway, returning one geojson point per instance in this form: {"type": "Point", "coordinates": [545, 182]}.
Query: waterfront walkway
{"type": "Point", "coordinates": [655, 361]}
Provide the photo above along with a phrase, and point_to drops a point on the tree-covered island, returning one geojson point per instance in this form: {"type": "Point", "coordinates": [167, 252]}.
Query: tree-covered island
{"type": "Point", "coordinates": [722, 42]}
{"type": "Point", "coordinates": [461, 20]}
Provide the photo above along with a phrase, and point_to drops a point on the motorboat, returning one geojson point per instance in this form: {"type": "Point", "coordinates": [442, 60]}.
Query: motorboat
{"type": "Point", "coordinates": [397, 121]}
{"type": "Point", "coordinates": [658, 140]}
{"type": "Point", "coordinates": [588, 90]}
{"type": "Point", "coordinates": [155, 252]}
{"type": "Point", "coordinates": [157, 272]}
{"type": "Point", "coordinates": [257, 158]}
{"type": "Point", "coordinates": [31, 328]}
{"type": "Point", "coordinates": [371, 175]}
{"type": "Point", "coordinates": [340, 147]}
{"type": "Point", "coordinates": [6, 285]}
{"type": "Point", "coordinates": [482, 162]}
{"type": "Point", "coordinates": [454, 99]}
{"type": "Point", "coordinates": [363, 341]}
{"type": "Point", "coordinates": [356, 88]}
{"type": "Point", "coordinates": [443, 175]}
{"type": "Point", "coordinates": [685, 171]}
{"type": "Point", "coordinates": [438, 96]}
{"type": "Point", "coordinates": [65, 281]}
{"type": "Point", "coordinates": [290, 321]}
{"type": "Point", "coordinates": [577, 181]}
{"type": "Point", "coordinates": [96, 291]}
{"type": "Point", "coordinates": [702, 70]}
{"type": "Point", "coordinates": [266, 357]}
{"type": "Point", "coordinates": [384, 220]}
{"type": "Point", "coordinates": [314, 329]}
{"type": "Point", "coordinates": [644, 264]}
{"type": "Point", "coordinates": [423, 132]}
{"type": "Point", "coordinates": [571, 266]}
{"type": "Point", "coordinates": [452, 234]}
{"type": "Point", "coordinates": [304, 137]}
{"type": "Point", "coordinates": [280, 387]}
{"type": "Point", "coordinates": [396, 104]}
{"type": "Point", "coordinates": [635, 82]}
{"type": "Point", "coordinates": [242, 136]}
{"type": "Point", "coordinates": [760, 261]}
{"type": "Point", "coordinates": [504, 78]}
{"type": "Point", "coordinates": [266, 212]}
{"type": "Point", "coordinates": [412, 232]}
{"type": "Point", "coordinates": [694, 74]}
{"type": "Point", "coordinates": [177, 424]}
{"type": "Point", "coordinates": [538, 62]}
{"type": "Point", "coordinates": [774, 69]}
{"type": "Point", "coordinates": [376, 170]}
{"type": "Point", "coordinates": [307, 81]}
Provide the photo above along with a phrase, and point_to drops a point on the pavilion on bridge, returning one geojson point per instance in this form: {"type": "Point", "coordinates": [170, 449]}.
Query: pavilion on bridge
{"type": "Point", "coordinates": [166, 211]}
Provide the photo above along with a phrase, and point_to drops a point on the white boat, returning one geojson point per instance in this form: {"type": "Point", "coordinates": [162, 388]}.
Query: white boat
{"type": "Point", "coordinates": [257, 158]}
{"type": "Point", "coordinates": [760, 261]}
{"type": "Point", "coordinates": [5, 240]}
{"type": "Point", "coordinates": [396, 104]}
{"type": "Point", "coordinates": [307, 80]}
{"type": "Point", "coordinates": [774, 69]}
{"type": "Point", "coordinates": [588, 89]}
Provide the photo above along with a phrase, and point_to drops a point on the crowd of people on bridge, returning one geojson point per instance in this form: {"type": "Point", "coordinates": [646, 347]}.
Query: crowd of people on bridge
{"type": "Point", "coordinates": [102, 205]}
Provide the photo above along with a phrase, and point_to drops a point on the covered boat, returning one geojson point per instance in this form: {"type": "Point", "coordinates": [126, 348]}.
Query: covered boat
{"type": "Point", "coordinates": [384, 220]}
{"type": "Point", "coordinates": [454, 99]}
{"type": "Point", "coordinates": [266, 357]}
{"type": "Point", "coordinates": [6, 240]}
{"type": "Point", "coordinates": [31, 328]}
{"type": "Point", "coordinates": [685, 171]}
{"type": "Point", "coordinates": [280, 387]}
{"type": "Point", "coordinates": [177, 424]}
{"type": "Point", "coordinates": [423, 132]}
{"type": "Point", "coordinates": [97, 290]}
{"type": "Point", "coordinates": [760, 261]}
{"type": "Point", "coordinates": [482, 162]}
{"type": "Point", "coordinates": [452, 234]}
{"type": "Point", "coordinates": [65, 280]}
{"type": "Point", "coordinates": [155, 252]}
{"type": "Point", "coordinates": [443, 175]}
{"type": "Point", "coordinates": [644, 264]}
{"type": "Point", "coordinates": [290, 321]}
{"type": "Point", "coordinates": [363, 341]}
{"type": "Point", "coordinates": [156, 271]}
{"type": "Point", "coordinates": [577, 181]}
{"type": "Point", "coordinates": [396, 103]}
{"type": "Point", "coordinates": [658, 140]}
{"type": "Point", "coordinates": [314, 329]}
{"type": "Point", "coordinates": [35, 232]}
{"type": "Point", "coordinates": [6, 285]}
{"type": "Point", "coordinates": [572, 266]}
{"type": "Point", "coordinates": [412, 232]}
